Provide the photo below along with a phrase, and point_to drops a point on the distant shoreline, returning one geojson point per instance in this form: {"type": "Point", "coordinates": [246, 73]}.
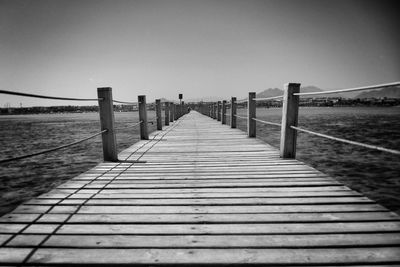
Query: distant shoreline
{"type": "Point", "coordinates": [304, 102]}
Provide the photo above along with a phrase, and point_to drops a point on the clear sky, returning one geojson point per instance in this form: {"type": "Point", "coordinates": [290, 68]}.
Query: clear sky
{"type": "Point", "coordinates": [199, 48]}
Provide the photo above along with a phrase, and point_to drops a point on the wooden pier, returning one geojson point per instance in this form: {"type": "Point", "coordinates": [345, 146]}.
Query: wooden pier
{"type": "Point", "coordinates": [201, 193]}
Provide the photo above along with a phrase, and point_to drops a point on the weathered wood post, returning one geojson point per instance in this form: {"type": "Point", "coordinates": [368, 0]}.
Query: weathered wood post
{"type": "Point", "coordinates": [233, 112]}
{"type": "Point", "coordinates": [171, 112]}
{"type": "Point", "coordinates": [166, 106]}
{"type": "Point", "coordinates": [290, 111]}
{"type": "Point", "coordinates": [251, 113]}
{"type": "Point", "coordinates": [144, 133]}
{"type": "Point", "coordinates": [224, 112]}
{"type": "Point", "coordinates": [183, 108]}
{"type": "Point", "coordinates": [175, 112]}
{"type": "Point", "coordinates": [107, 123]}
{"type": "Point", "coordinates": [213, 111]}
{"type": "Point", "coordinates": [219, 111]}
{"type": "Point", "coordinates": [158, 114]}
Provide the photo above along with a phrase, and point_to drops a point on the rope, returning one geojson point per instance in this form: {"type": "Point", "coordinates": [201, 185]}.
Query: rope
{"type": "Point", "coordinates": [352, 89]}
{"type": "Point", "coordinates": [48, 97]}
{"type": "Point", "coordinates": [122, 102]}
{"type": "Point", "coordinates": [130, 126]}
{"type": "Point", "coordinates": [397, 152]}
{"type": "Point", "coordinates": [241, 101]}
{"type": "Point", "coordinates": [52, 149]}
{"type": "Point", "coordinates": [268, 98]}
{"type": "Point", "coordinates": [240, 117]}
{"type": "Point", "coordinates": [268, 122]}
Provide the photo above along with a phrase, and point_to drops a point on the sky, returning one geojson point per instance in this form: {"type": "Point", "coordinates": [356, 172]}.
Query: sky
{"type": "Point", "coordinates": [201, 48]}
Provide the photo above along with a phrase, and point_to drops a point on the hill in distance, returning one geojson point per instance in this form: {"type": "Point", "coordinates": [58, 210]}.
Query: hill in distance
{"type": "Point", "coordinates": [389, 92]}
{"type": "Point", "coordinates": [271, 92]}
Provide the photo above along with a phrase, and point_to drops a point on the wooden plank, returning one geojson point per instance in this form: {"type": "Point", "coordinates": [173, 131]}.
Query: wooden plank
{"type": "Point", "coordinates": [217, 256]}
{"type": "Point", "coordinates": [228, 209]}
{"type": "Point", "coordinates": [155, 195]}
{"type": "Point", "coordinates": [4, 238]}
{"type": "Point", "coordinates": [24, 218]}
{"type": "Point", "coordinates": [10, 228]}
{"type": "Point", "coordinates": [13, 255]}
{"type": "Point", "coordinates": [219, 241]}
{"type": "Point", "coordinates": [254, 228]}
{"type": "Point", "coordinates": [27, 240]}
{"type": "Point", "coordinates": [224, 190]}
{"type": "Point", "coordinates": [224, 218]}
{"type": "Point", "coordinates": [214, 201]}
{"type": "Point", "coordinates": [204, 201]}
{"type": "Point", "coordinates": [211, 185]}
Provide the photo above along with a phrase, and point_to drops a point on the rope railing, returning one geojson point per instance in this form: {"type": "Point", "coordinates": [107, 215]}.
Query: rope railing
{"type": "Point", "coordinates": [268, 98]}
{"type": "Point", "coordinates": [126, 103]}
{"type": "Point", "coordinates": [384, 85]}
{"type": "Point", "coordinates": [240, 117]}
{"type": "Point", "coordinates": [48, 97]}
{"type": "Point", "coordinates": [268, 122]}
{"type": "Point", "coordinates": [290, 117]}
{"type": "Point", "coordinates": [52, 149]}
{"type": "Point", "coordinates": [379, 148]}
{"type": "Point", "coordinates": [106, 110]}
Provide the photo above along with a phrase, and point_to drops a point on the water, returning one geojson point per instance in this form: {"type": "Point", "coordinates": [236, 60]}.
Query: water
{"type": "Point", "coordinates": [23, 134]}
{"type": "Point", "coordinates": [373, 173]}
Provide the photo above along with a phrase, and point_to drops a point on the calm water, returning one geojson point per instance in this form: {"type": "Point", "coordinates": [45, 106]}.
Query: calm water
{"type": "Point", "coordinates": [24, 134]}
{"type": "Point", "coordinates": [376, 174]}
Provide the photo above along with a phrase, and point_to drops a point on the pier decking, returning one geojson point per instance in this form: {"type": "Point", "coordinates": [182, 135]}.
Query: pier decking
{"type": "Point", "coordinates": [199, 192]}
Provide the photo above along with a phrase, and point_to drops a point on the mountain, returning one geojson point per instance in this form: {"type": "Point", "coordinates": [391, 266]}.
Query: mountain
{"type": "Point", "coordinates": [389, 92]}
{"type": "Point", "coordinates": [271, 92]}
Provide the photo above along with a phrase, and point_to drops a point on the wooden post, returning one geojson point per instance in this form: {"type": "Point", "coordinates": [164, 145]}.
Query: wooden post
{"type": "Point", "coordinates": [219, 111]}
{"type": "Point", "coordinates": [158, 114]}
{"type": "Point", "coordinates": [171, 112]}
{"type": "Point", "coordinates": [144, 133]}
{"type": "Point", "coordinates": [107, 122]}
{"type": "Point", "coordinates": [213, 111]}
{"type": "Point", "coordinates": [183, 108]}
{"type": "Point", "coordinates": [251, 113]}
{"type": "Point", "coordinates": [166, 113]}
{"type": "Point", "coordinates": [233, 112]}
{"type": "Point", "coordinates": [175, 112]}
{"type": "Point", "coordinates": [224, 112]}
{"type": "Point", "coordinates": [290, 111]}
